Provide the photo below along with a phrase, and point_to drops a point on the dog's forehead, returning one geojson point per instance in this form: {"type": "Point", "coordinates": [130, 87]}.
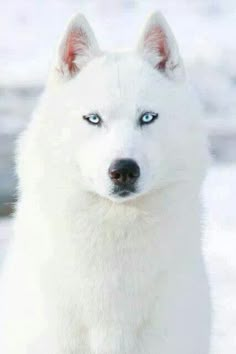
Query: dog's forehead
{"type": "Point", "coordinates": [117, 84]}
{"type": "Point", "coordinates": [117, 74]}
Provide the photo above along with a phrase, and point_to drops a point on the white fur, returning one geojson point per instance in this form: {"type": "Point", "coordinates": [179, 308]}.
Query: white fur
{"type": "Point", "coordinates": [89, 273]}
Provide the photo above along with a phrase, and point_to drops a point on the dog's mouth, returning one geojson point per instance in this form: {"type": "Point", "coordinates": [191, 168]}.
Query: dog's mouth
{"type": "Point", "coordinates": [123, 192]}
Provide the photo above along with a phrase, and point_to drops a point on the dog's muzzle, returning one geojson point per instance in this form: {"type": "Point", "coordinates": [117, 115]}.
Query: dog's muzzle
{"type": "Point", "coordinates": [124, 175]}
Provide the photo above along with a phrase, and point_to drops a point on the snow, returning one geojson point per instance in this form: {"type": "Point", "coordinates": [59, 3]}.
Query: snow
{"type": "Point", "coordinates": [219, 245]}
{"type": "Point", "coordinates": [5, 236]}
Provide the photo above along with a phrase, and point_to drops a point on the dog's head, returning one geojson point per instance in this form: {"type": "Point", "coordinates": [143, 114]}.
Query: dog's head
{"type": "Point", "coordinates": [125, 122]}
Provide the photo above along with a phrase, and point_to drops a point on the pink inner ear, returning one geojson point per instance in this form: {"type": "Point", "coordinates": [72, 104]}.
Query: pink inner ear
{"type": "Point", "coordinates": [76, 44]}
{"type": "Point", "coordinates": [157, 41]}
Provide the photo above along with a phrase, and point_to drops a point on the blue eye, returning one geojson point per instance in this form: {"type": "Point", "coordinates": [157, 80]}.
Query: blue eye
{"type": "Point", "coordinates": [148, 117]}
{"type": "Point", "coordinates": [93, 118]}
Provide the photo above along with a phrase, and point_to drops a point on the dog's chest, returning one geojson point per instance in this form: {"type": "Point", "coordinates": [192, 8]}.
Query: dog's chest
{"type": "Point", "coordinates": [118, 289]}
{"type": "Point", "coordinates": [107, 293]}
{"type": "Point", "coordinates": [107, 282]}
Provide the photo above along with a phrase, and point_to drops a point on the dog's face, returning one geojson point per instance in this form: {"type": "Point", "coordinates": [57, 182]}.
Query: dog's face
{"type": "Point", "coordinates": [124, 121]}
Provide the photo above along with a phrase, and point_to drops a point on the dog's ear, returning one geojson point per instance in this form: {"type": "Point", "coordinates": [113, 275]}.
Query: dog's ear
{"type": "Point", "coordinates": [76, 48]}
{"type": "Point", "coordinates": [158, 45]}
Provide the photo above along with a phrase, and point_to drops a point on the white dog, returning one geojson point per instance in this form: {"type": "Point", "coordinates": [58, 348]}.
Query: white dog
{"type": "Point", "coordinates": [107, 256]}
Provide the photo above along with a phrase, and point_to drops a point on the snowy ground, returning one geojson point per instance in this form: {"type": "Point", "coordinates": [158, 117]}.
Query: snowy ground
{"type": "Point", "coordinates": [220, 248]}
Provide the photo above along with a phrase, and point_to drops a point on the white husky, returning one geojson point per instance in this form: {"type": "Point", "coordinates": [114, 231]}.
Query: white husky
{"type": "Point", "coordinates": [107, 251]}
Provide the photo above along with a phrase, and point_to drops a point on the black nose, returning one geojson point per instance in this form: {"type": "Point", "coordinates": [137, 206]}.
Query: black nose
{"type": "Point", "coordinates": [124, 172]}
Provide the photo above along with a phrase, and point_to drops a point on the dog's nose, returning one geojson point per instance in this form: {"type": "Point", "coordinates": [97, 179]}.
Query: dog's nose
{"type": "Point", "coordinates": [124, 172]}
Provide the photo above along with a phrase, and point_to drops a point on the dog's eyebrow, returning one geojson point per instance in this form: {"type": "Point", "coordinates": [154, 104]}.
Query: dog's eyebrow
{"type": "Point", "coordinates": [141, 110]}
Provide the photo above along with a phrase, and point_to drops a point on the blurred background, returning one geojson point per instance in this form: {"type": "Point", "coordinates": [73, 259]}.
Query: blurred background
{"type": "Point", "coordinates": [206, 32]}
